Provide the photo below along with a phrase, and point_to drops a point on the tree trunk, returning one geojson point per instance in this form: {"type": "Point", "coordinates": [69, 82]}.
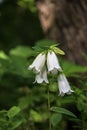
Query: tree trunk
{"type": "Point", "coordinates": [65, 21]}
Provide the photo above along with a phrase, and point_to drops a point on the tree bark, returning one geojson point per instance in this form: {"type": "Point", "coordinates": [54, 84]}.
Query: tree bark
{"type": "Point", "coordinates": [65, 21]}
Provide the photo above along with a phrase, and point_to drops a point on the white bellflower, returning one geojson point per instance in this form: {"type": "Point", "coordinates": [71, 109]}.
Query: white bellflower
{"type": "Point", "coordinates": [38, 63]}
{"type": "Point", "coordinates": [64, 87]}
{"type": "Point", "coordinates": [42, 76]}
{"type": "Point", "coordinates": [53, 63]}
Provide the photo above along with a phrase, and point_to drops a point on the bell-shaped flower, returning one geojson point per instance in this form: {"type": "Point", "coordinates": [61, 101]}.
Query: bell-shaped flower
{"type": "Point", "coordinates": [64, 87]}
{"type": "Point", "coordinates": [42, 76]}
{"type": "Point", "coordinates": [38, 63]}
{"type": "Point", "coordinates": [53, 63]}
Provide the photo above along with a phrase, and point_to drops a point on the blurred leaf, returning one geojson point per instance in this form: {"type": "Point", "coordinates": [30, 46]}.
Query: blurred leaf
{"type": "Point", "coordinates": [53, 87]}
{"type": "Point", "coordinates": [30, 4]}
{"type": "Point", "coordinates": [15, 118]}
{"type": "Point", "coordinates": [66, 100]}
{"type": "Point", "coordinates": [3, 55]}
{"type": "Point", "coordinates": [16, 122]}
{"type": "Point", "coordinates": [22, 51]}
{"type": "Point", "coordinates": [3, 113]}
{"type": "Point", "coordinates": [4, 65]}
{"type": "Point", "coordinates": [18, 65]}
{"type": "Point", "coordinates": [3, 119]}
{"type": "Point", "coordinates": [25, 101]}
{"type": "Point", "coordinates": [35, 116]}
{"type": "Point", "coordinates": [71, 68]}
{"type": "Point", "coordinates": [55, 119]}
{"type": "Point", "coordinates": [44, 43]}
{"type": "Point", "coordinates": [62, 111]}
{"type": "Point", "coordinates": [13, 111]}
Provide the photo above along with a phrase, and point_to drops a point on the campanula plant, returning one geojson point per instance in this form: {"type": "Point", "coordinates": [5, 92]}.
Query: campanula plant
{"type": "Point", "coordinates": [47, 62]}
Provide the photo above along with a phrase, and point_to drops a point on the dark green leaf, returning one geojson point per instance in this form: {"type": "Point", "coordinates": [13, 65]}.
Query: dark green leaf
{"type": "Point", "coordinates": [62, 111]}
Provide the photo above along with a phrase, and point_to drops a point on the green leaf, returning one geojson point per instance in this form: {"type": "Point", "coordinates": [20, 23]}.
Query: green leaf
{"type": "Point", "coordinates": [35, 116]}
{"type": "Point", "coordinates": [55, 119]}
{"type": "Point", "coordinates": [19, 66]}
{"type": "Point", "coordinates": [16, 122]}
{"type": "Point", "coordinates": [3, 113]}
{"type": "Point", "coordinates": [62, 111]}
{"type": "Point", "coordinates": [25, 101]}
{"type": "Point", "coordinates": [3, 55]}
{"type": "Point", "coordinates": [44, 43]}
{"type": "Point", "coordinates": [21, 51]}
{"type": "Point", "coordinates": [13, 111]}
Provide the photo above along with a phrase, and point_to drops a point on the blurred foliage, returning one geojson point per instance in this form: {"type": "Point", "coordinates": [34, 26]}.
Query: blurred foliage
{"type": "Point", "coordinates": [30, 4]}
{"type": "Point", "coordinates": [23, 104]}
{"type": "Point", "coordinates": [17, 88]}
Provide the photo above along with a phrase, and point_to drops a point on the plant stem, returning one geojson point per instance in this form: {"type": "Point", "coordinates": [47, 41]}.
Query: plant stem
{"type": "Point", "coordinates": [49, 109]}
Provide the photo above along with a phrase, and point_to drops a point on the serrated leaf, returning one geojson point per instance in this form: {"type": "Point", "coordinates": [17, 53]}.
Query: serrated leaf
{"type": "Point", "coordinates": [13, 111]}
{"type": "Point", "coordinates": [62, 111]}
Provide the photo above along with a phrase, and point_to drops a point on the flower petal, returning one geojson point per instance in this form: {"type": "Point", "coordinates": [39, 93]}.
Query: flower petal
{"type": "Point", "coordinates": [53, 63]}
{"type": "Point", "coordinates": [42, 76]}
{"type": "Point", "coordinates": [38, 78]}
{"type": "Point", "coordinates": [38, 63]}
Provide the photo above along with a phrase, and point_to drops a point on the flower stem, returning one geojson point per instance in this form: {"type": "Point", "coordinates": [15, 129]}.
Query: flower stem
{"type": "Point", "coordinates": [49, 114]}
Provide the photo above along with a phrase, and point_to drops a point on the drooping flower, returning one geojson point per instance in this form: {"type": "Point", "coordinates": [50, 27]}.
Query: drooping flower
{"type": "Point", "coordinates": [64, 87]}
{"type": "Point", "coordinates": [42, 76]}
{"type": "Point", "coordinates": [53, 63]}
{"type": "Point", "coordinates": [38, 63]}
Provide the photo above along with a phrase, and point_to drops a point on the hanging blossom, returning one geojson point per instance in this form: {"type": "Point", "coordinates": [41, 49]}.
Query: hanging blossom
{"type": "Point", "coordinates": [53, 63]}
{"type": "Point", "coordinates": [42, 76]}
{"type": "Point", "coordinates": [38, 63]}
{"type": "Point", "coordinates": [39, 68]}
{"type": "Point", "coordinates": [64, 87]}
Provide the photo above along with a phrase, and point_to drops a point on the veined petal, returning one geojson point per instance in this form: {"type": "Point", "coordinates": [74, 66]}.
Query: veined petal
{"type": "Point", "coordinates": [64, 86]}
{"type": "Point", "coordinates": [38, 63]}
{"type": "Point", "coordinates": [53, 63]}
{"type": "Point", "coordinates": [42, 76]}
